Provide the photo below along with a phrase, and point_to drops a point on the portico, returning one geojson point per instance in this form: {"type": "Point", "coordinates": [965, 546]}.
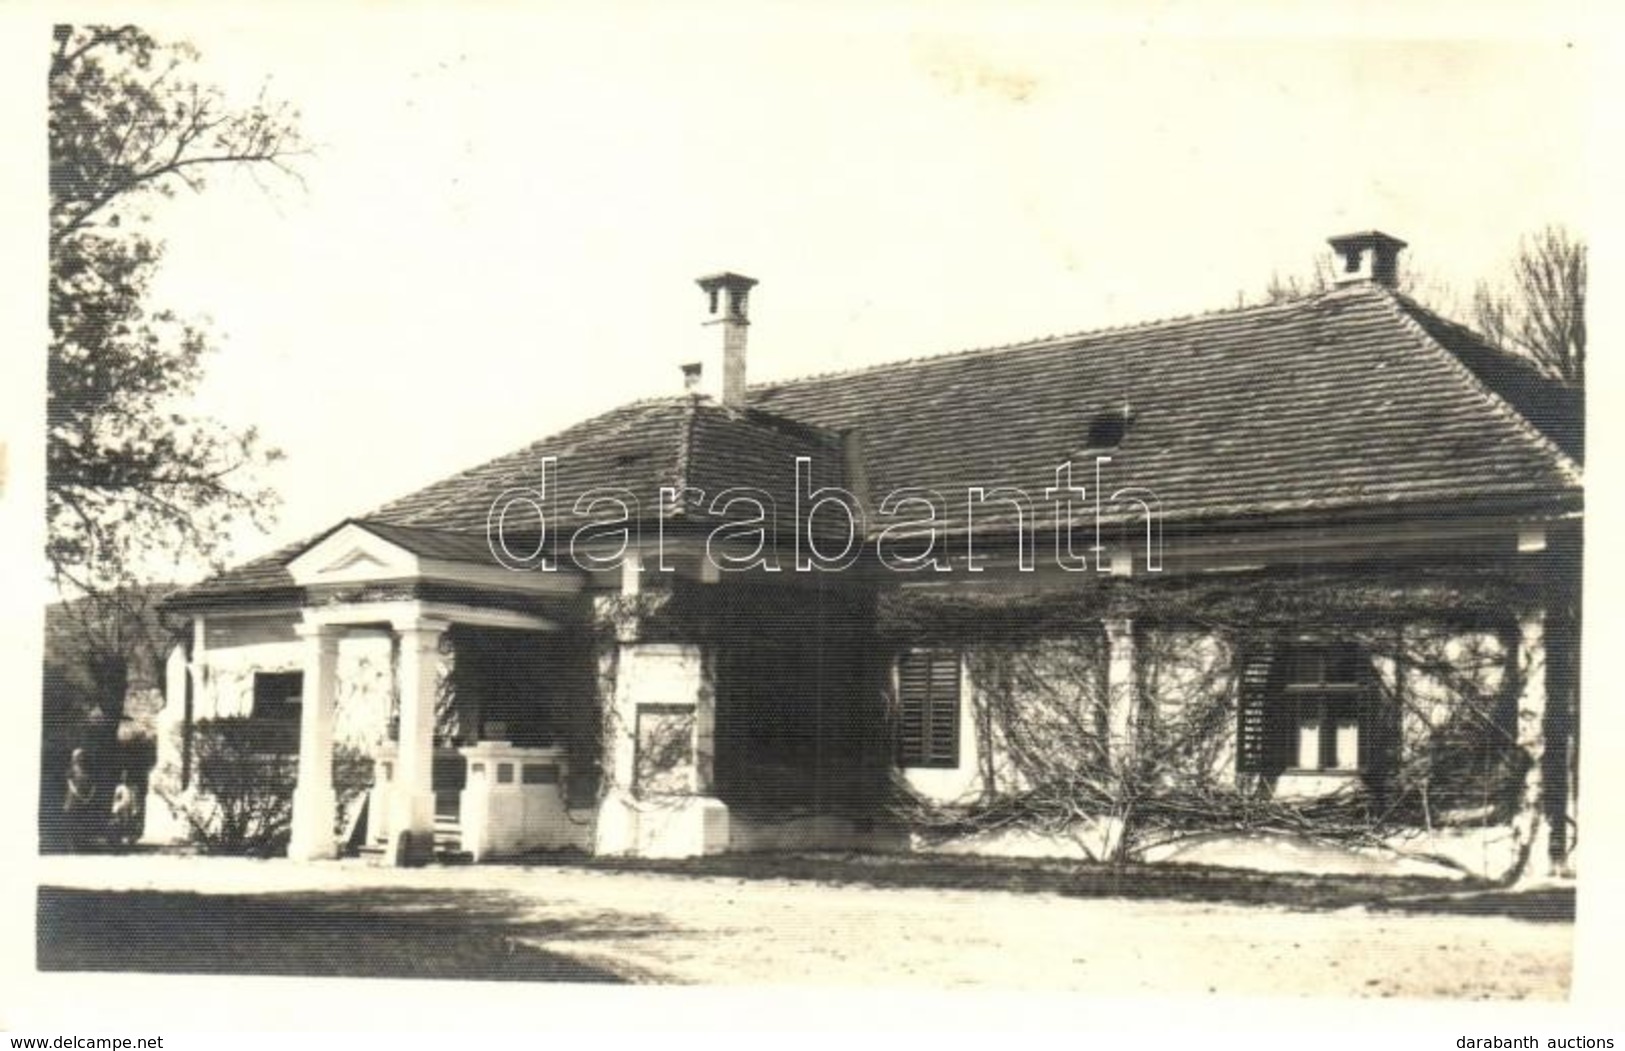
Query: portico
{"type": "Point", "coordinates": [417, 586]}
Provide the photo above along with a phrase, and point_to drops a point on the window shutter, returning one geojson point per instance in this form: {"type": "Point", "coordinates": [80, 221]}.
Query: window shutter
{"type": "Point", "coordinates": [942, 746]}
{"type": "Point", "coordinates": [913, 695]}
{"type": "Point", "coordinates": [928, 708]}
{"type": "Point", "coordinates": [1252, 728]}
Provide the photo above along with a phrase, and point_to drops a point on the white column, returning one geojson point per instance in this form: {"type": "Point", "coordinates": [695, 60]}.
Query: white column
{"type": "Point", "coordinates": [314, 801]}
{"type": "Point", "coordinates": [1122, 702]}
{"type": "Point", "coordinates": [705, 724]}
{"type": "Point", "coordinates": [159, 824]}
{"type": "Point", "coordinates": [1534, 834]}
{"type": "Point", "coordinates": [1122, 691]}
{"type": "Point", "coordinates": [411, 823]}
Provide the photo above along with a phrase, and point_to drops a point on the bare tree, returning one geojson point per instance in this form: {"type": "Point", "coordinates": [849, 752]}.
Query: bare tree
{"type": "Point", "coordinates": [1540, 310]}
{"type": "Point", "coordinates": [1285, 287]}
{"type": "Point", "coordinates": [1322, 275]}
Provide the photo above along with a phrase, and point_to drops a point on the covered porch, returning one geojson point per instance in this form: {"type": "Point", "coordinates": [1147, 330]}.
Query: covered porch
{"type": "Point", "coordinates": [470, 742]}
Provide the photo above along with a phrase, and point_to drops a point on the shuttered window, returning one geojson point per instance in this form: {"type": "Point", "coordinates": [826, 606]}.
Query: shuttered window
{"type": "Point", "coordinates": [1301, 708]}
{"type": "Point", "coordinates": [1252, 729]}
{"type": "Point", "coordinates": [1322, 699]}
{"type": "Point", "coordinates": [928, 708]}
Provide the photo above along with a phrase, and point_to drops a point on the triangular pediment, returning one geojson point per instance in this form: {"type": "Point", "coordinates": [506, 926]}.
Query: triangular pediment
{"type": "Point", "coordinates": [353, 554]}
{"type": "Point", "coordinates": [356, 560]}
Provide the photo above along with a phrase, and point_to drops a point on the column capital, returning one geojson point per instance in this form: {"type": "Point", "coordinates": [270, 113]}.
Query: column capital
{"type": "Point", "coordinates": [417, 624]}
{"type": "Point", "coordinates": [1118, 624]}
{"type": "Point", "coordinates": [319, 631]}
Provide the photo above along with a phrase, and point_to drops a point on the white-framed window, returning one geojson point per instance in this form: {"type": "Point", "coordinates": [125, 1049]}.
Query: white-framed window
{"type": "Point", "coordinates": [1323, 699]}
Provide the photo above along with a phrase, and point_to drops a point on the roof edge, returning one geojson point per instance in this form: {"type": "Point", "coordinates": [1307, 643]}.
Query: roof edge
{"type": "Point", "coordinates": [1401, 306]}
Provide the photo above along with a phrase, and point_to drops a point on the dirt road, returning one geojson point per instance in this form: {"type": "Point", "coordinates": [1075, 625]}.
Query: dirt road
{"type": "Point", "coordinates": [714, 930]}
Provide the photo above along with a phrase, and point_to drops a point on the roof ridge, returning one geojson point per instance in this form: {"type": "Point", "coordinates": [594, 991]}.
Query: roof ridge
{"type": "Point", "coordinates": [369, 523]}
{"type": "Point", "coordinates": [1054, 339]}
{"type": "Point", "coordinates": [1497, 404]}
{"type": "Point", "coordinates": [1510, 356]}
{"type": "Point", "coordinates": [754, 414]}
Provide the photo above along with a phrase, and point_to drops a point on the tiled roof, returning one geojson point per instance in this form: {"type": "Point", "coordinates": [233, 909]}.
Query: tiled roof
{"type": "Point", "coordinates": [1355, 398]}
{"type": "Point", "coordinates": [1333, 401]}
{"type": "Point", "coordinates": [1556, 409]}
{"type": "Point", "coordinates": [639, 448]}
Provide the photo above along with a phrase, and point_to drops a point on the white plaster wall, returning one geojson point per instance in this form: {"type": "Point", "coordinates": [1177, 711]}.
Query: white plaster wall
{"type": "Point", "coordinates": [1478, 657]}
{"type": "Point", "coordinates": [1181, 668]}
{"type": "Point", "coordinates": [237, 648]}
{"type": "Point", "coordinates": [812, 832]}
{"type": "Point", "coordinates": [366, 685]}
{"type": "Point", "coordinates": [1085, 840]}
{"type": "Point", "coordinates": [652, 673]}
{"type": "Point", "coordinates": [1069, 692]}
{"type": "Point", "coordinates": [227, 687]}
{"type": "Point", "coordinates": [664, 674]}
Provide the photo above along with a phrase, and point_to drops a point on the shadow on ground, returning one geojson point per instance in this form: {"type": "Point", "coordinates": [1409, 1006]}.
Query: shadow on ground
{"type": "Point", "coordinates": [1541, 905]}
{"type": "Point", "coordinates": [1084, 879]}
{"type": "Point", "coordinates": [375, 933]}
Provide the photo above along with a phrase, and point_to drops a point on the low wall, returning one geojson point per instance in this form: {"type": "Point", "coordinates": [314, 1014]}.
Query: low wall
{"type": "Point", "coordinates": [514, 802]}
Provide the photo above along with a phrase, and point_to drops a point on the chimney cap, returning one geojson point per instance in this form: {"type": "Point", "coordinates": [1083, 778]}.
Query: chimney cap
{"type": "Point", "coordinates": [1368, 256]}
{"type": "Point", "coordinates": [726, 279]}
{"type": "Point", "coordinates": [1365, 239]}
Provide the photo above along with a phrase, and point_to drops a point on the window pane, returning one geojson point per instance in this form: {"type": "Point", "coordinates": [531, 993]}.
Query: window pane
{"type": "Point", "coordinates": [1348, 745]}
{"type": "Point", "coordinates": [1309, 744]}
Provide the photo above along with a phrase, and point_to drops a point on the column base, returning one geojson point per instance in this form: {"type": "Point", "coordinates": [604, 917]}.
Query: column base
{"type": "Point", "coordinates": [159, 825]}
{"type": "Point", "coordinates": [314, 814]}
{"type": "Point", "coordinates": [411, 849]}
{"type": "Point", "coordinates": [411, 828]}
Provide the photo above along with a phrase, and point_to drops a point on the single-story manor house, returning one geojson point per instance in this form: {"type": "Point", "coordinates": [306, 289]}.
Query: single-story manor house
{"type": "Point", "coordinates": [1296, 581]}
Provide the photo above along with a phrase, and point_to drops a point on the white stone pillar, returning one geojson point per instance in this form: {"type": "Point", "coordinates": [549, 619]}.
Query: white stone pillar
{"type": "Point", "coordinates": [1122, 688]}
{"type": "Point", "coordinates": [1533, 832]}
{"type": "Point", "coordinates": [1122, 702]}
{"type": "Point", "coordinates": [616, 829]}
{"type": "Point", "coordinates": [705, 724]}
{"type": "Point", "coordinates": [314, 801]}
{"type": "Point", "coordinates": [411, 820]}
{"type": "Point", "coordinates": [159, 824]}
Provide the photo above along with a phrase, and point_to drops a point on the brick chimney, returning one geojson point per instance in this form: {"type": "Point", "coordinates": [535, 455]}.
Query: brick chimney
{"type": "Point", "coordinates": [1370, 256]}
{"type": "Point", "coordinates": [721, 373]}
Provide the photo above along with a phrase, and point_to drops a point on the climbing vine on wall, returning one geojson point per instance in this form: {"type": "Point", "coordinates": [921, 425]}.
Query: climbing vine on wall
{"type": "Point", "coordinates": [1128, 767]}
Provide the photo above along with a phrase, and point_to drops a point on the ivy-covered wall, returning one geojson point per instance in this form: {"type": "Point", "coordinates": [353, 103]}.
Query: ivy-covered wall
{"type": "Point", "coordinates": [1441, 744]}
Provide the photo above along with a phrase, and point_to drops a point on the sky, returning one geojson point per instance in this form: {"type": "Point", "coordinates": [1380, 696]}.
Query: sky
{"type": "Point", "coordinates": [497, 231]}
